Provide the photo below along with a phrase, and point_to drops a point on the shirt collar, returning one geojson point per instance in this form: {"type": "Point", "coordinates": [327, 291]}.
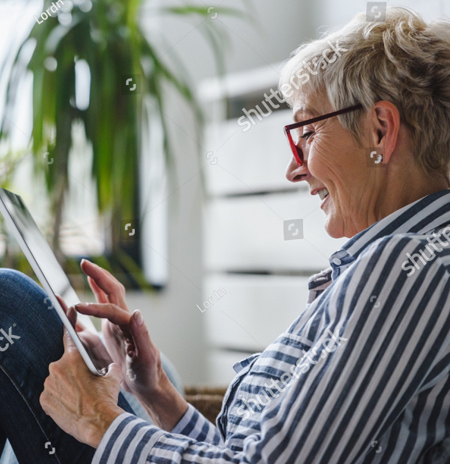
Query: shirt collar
{"type": "Point", "coordinates": [421, 217]}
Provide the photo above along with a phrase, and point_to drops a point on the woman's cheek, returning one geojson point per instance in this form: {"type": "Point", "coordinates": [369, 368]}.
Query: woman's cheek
{"type": "Point", "coordinates": [319, 162]}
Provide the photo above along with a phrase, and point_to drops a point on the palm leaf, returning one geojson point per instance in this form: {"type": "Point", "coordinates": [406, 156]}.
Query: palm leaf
{"type": "Point", "coordinates": [110, 40]}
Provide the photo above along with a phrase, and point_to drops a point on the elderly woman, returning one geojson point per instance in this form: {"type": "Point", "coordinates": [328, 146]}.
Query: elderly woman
{"type": "Point", "coordinates": [362, 375]}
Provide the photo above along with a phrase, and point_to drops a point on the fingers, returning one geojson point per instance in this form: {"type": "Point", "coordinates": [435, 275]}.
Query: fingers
{"type": "Point", "coordinates": [143, 344]}
{"type": "Point", "coordinates": [69, 344]}
{"type": "Point", "coordinates": [62, 302]}
{"type": "Point", "coordinates": [70, 312]}
{"type": "Point", "coordinates": [98, 292]}
{"type": "Point", "coordinates": [112, 289]}
{"type": "Point", "coordinates": [112, 312]}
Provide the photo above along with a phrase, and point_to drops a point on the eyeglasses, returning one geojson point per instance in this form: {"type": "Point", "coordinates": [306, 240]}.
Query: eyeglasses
{"type": "Point", "coordinates": [294, 135]}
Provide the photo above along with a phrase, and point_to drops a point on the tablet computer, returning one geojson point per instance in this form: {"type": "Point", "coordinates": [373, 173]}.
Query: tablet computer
{"type": "Point", "coordinates": [47, 268]}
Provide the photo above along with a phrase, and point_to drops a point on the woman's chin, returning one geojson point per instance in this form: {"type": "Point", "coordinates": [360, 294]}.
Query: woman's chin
{"type": "Point", "coordinates": [334, 227]}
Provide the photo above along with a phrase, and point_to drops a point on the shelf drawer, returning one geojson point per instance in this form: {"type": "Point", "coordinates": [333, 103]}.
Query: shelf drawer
{"type": "Point", "coordinates": [248, 312]}
{"type": "Point", "coordinates": [247, 162]}
{"type": "Point", "coordinates": [247, 234]}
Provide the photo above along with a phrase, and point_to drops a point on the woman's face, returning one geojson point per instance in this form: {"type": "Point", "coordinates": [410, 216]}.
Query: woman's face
{"type": "Point", "coordinates": [333, 161]}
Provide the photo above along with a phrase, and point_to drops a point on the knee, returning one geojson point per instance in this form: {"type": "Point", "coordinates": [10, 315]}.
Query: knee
{"type": "Point", "coordinates": [21, 297]}
{"type": "Point", "coordinates": [15, 284]}
{"type": "Point", "coordinates": [13, 277]}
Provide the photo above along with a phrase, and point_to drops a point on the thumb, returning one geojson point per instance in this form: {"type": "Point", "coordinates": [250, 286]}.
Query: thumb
{"type": "Point", "coordinates": [141, 337]}
{"type": "Point", "coordinates": [114, 372]}
{"type": "Point", "coordinates": [69, 344]}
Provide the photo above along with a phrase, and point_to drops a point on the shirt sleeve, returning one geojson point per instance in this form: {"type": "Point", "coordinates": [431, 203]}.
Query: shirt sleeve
{"type": "Point", "coordinates": [196, 426]}
{"type": "Point", "coordinates": [385, 336]}
{"type": "Point", "coordinates": [128, 437]}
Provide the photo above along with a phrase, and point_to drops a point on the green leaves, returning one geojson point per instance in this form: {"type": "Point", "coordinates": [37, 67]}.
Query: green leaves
{"type": "Point", "coordinates": [208, 11]}
{"type": "Point", "coordinates": [108, 37]}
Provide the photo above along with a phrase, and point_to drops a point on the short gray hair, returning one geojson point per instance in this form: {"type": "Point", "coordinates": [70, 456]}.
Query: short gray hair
{"type": "Point", "coordinates": [403, 60]}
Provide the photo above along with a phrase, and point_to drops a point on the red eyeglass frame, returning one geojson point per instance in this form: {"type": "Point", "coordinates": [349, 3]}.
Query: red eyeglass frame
{"type": "Point", "coordinates": [298, 153]}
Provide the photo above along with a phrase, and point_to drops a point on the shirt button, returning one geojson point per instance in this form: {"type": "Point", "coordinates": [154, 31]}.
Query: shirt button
{"type": "Point", "coordinates": [337, 261]}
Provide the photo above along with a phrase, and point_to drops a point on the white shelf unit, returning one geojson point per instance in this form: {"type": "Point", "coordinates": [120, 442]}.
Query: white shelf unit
{"type": "Point", "coordinates": [262, 278]}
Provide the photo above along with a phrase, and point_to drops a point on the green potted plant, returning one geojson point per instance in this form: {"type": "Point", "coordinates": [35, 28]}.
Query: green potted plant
{"type": "Point", "coordinates": [103, 37]}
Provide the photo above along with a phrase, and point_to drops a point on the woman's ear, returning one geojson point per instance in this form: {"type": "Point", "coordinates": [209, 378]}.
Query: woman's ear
{"type": "Point", "coordinates": [385, 126]}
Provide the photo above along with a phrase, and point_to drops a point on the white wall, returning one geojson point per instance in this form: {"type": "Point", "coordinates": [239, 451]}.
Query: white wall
{"type": "Point", "coordinates": [175, 321]}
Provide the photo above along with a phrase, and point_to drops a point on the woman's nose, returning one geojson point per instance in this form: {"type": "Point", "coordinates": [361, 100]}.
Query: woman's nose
{"type": "Point", "coordinates": [296, 173]}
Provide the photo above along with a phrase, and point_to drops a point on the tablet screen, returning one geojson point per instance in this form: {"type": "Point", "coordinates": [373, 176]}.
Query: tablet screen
{"type": "Point", "coordinates": [41, 257]}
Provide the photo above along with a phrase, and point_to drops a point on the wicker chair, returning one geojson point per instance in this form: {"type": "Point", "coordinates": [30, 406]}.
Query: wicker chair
{"type": "Point", "coordinates": [207, 400]}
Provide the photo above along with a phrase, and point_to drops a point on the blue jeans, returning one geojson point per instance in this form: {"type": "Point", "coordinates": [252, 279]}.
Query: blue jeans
{"type": "Point", "coordinates": [30, 339]}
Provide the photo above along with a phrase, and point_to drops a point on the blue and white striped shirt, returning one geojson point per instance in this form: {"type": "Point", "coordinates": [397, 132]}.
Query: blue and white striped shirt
{"type": "Point", "coordinates": [361, 376]}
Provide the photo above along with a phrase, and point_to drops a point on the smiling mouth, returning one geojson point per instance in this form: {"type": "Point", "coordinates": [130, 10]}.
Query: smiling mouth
{"type": "Point", "coordinates": [323, 193]}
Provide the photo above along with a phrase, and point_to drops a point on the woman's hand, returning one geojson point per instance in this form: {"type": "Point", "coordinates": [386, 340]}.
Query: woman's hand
{"type": "Point", "coordinates": [129, 345]}
{"type": "Point", "coordinates": [83, 404]}
{"type": "Point", "coordinates": [136, 355]}
{"type": "Point", "coordinates": [92, 341]}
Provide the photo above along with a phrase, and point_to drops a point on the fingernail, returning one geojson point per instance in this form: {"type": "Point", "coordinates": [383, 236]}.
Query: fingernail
{"type": "Point", "coordinates": [138, 317]}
